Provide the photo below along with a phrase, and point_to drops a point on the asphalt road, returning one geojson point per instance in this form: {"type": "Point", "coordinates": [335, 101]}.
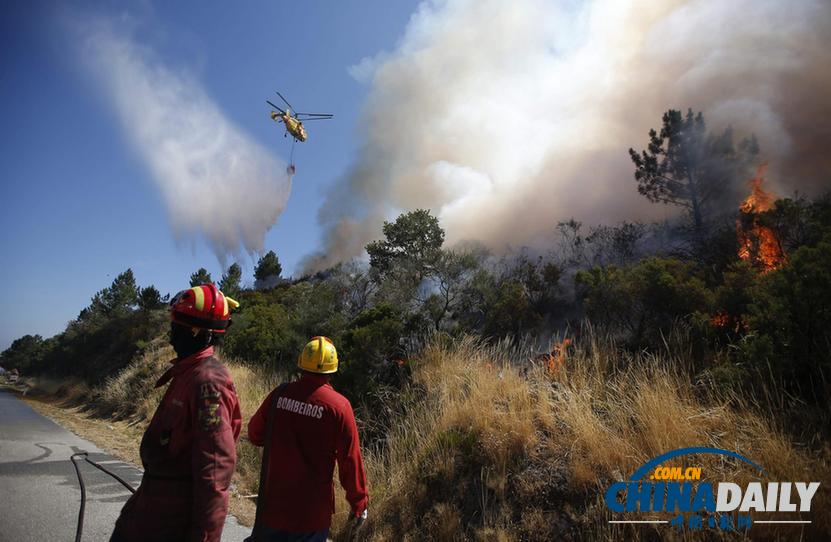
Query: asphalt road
{"type": "Point", "coordinates": [39, 492]}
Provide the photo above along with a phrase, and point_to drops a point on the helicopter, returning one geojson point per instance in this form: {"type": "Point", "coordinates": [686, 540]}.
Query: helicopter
{"type": "Point", "coordinates": [294, 121]}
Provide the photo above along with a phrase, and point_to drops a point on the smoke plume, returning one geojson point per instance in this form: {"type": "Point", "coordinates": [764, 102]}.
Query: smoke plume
{"type": "Point", "coordinates": [216, 181]}
{"type": "Point", "coordinates": [504, 118]}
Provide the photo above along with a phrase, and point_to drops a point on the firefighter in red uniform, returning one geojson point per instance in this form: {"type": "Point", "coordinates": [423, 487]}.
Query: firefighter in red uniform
{"type": "Point", "coordinates": [189, 448]}
{"type": "Point", "coordinates": [312, 427]}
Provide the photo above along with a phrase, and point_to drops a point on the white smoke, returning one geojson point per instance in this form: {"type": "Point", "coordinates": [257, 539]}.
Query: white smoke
{"type": "Point", "coordinates": [504, 118]}
{"type": "Point", "coordinates": [216, 181]}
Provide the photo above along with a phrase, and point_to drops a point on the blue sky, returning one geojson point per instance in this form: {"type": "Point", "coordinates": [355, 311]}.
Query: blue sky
{"type": "Point", "coordinates": [80, 205]}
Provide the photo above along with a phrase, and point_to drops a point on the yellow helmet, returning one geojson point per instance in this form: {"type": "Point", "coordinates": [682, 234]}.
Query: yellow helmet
{"type": "Point", "coordinates": [319, 356]}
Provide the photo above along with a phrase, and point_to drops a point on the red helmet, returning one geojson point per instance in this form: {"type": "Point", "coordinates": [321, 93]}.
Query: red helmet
{"type": "Point", "coordinates": [203, 307]}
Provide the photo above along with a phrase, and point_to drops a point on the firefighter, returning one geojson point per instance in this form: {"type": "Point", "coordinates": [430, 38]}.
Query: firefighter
{"type": "Point", "coordinates": [311, 426]}
{"type": "Point", "coordinates": [189, 449]}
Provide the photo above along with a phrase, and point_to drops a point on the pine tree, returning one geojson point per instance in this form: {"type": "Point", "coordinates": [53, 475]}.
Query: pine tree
{"type": "Point", "coordinates": [268, 270]}
{"type": "Point", "coordinates": [230, 283]}
{"type": "Point", "coordinates": [200, 277]}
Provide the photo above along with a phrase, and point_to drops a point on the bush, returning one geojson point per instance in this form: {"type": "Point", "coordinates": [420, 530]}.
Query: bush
{"type": "Point", "coordinates": [789, 322]}
{"type": "Point", "coordinates": [643, 301]}
{"type": "Point", "coordinates": [99, 349]}
{"type": "Point", "coordinates": [263, 335]}
{"type": "Point", "coordinates": [271, 327]}
{"type": "Point", "coordinates": [316, 308]}
{"type": "Point", "coordinates": [511, 303]}
{"type": "Point", "coordinates": [25, 352]}
{"type": "Point", "coordinates": [369, 347]}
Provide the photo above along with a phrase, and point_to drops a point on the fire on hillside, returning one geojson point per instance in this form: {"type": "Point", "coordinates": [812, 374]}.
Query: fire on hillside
{"type": "Point", "coordinates": [555, 359]}
{"type": "Point", "coordinates": [758, 244]}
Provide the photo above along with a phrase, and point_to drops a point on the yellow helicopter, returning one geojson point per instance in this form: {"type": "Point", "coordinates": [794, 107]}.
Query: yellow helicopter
{"type": "Point", "coordinates": [294, 121]}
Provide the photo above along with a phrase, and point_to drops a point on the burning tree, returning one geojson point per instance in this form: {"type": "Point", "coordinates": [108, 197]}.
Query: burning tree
{"type": "Point", "coordinates": [758, 244]}
{"type": "Point", "coordinates": [686, 166]}
{"type": "Point", "coordinates": [761, 249]}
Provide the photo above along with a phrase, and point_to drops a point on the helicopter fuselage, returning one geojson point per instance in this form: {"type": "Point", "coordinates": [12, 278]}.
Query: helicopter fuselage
{"type": "Point", "coordinates": [293, 126]}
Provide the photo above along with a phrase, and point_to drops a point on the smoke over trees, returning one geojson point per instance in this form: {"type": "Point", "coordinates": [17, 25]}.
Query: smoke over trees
{"type": "Point", "coordinates": [687, 167]}
{"type": "Point", "coordinates": [522, 120]}
{"type": "Point", "coordinates": [413, 240]}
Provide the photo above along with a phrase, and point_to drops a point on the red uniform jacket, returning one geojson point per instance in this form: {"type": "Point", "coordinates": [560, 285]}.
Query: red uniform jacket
{"type": "Point", "coordinates": [189, 455]}
{"type": "Point", "coordinates": [314, 426]}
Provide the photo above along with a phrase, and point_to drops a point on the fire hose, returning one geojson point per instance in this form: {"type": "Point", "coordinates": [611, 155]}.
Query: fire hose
{"type": "Point", "coordinates": [80, 529]}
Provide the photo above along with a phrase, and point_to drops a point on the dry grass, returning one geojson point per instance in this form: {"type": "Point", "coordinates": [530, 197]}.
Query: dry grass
{"type": "Point", "coordinates": [132, 394]}
{"type": "Point", "coordinates": [500, 450]}
{"type": "Point", "coordinates": [493, 447]}
{"type": "Point", "coordinates": [252, 388]}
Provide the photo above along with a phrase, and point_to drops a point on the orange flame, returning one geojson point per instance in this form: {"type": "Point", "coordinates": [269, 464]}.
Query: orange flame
{"type": "Point", "coordinates": [557, 357]}
{"type": "Point", "coordinates": [758, 244]}
{"type": "Point", "coordinates": [759, 199]}
{"type": "Point", "coordinates": [723, 320]}
{"type": "Point", "coordinates": [720, 319]}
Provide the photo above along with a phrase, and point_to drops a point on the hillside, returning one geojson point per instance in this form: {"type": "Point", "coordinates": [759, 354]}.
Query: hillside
{"type": "Point", "coordinates": [499, 396]}
{"type": "Point", "coordinates": [487, 444]}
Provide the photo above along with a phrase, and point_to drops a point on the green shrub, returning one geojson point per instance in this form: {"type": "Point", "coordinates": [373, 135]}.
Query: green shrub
{"type": "Point", "coordinates": [263, 335]}
{"type": "Point", "coordinates": [26, 352]}
{"type": "Point", "coordinates": [789, 321]}
{"type": "Point", "coordinates": [368, 348]}
{"type": "Point", "coordinates": [643, 300]}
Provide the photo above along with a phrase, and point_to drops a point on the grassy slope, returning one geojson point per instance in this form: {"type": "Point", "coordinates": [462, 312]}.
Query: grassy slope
{"type": "Point", "coordinates": [491, 450]}
{"type": "Point", "coordinates": [489, 453]}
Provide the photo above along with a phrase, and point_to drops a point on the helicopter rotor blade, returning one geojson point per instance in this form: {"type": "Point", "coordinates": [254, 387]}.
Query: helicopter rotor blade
{"type": "Point", "coordinates": [315, 118]}
{"type": "Point", "coordinates": [285, 100]}
{"type": "Point", "coordinates": [275, 107]}
{"type": "Point", "coordinates": [312, 115]}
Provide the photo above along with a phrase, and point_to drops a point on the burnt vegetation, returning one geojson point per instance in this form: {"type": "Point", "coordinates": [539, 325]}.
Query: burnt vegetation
{"type": "Point", "coordinates": [734, 296]}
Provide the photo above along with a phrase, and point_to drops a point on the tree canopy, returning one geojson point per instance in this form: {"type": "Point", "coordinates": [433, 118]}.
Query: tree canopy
{"type": "Point", "coordinates": [268, 270]}
{"type": "Point", "coordinates": [200, 277]}
{"type": "Point", "coordinates": [415, 238]}
{"type": "Point", "coordinates": [230, 282]}
{"type": "Point", "coordinates": [117, 300]}
{"type": "Point", "coordinates": [23, 352]}
{"type": "Point", "coordinates": [149, 298]}
{"type": "Point", "coordinates": [685, 166]}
